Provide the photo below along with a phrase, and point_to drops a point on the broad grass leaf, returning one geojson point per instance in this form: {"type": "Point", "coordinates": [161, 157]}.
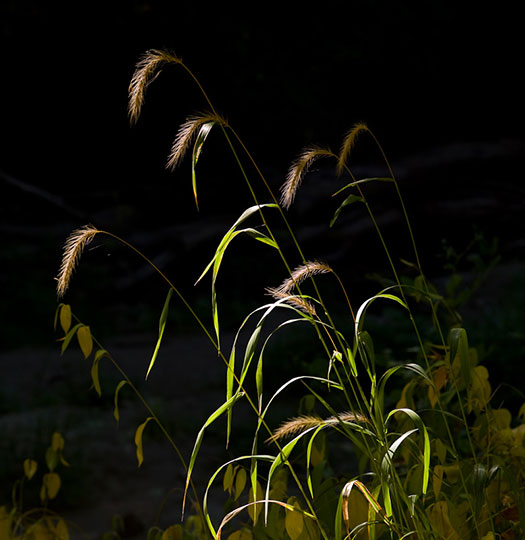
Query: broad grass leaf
{"type": "Point", "coordinates": [313, 457]}
{"type": "Point", "coordinates": [174, 532]}
{"type": "Point", "coordinates": [65, 317]}
{"type": "Point", "coordinates": [229, 466]}
{"type": "Point", "coordinates": [162, 325]}
{"type": "Point", "coordinates": [349, 200]}
{"type": "Point", "coordinates": [51, 484]}
{"type": "Point", "coordinates": [138, 440]}
{"type": "Point", "coordinates": [294, 520]}
{"type": "Point", "coordinates": [197, 148]}
{"type": "Point", "coordinates": [218, 412]}
{"type": "Point", "coordinates": [30, 468]}
{"type": "Point", "coordinates": [362, 181]}
{"type": "Point", "coordinates": [116, 413]}
{"type": "Point", "coordinates": [426, 442]}
{"type": "Point", "coordinates": [85, 340]}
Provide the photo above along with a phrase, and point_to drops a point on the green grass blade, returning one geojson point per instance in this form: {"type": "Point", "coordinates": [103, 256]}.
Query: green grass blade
{"type": "Point", "coordinates": [162, 325]}
{"type": "Point", "coordinates": [218, 412]}
{"type": "Point", "coordinates": [349, 200]}
{"type": "Point", "coordinates": [362, 181]}
{"type": "Point", "coordinates": [197, 148]}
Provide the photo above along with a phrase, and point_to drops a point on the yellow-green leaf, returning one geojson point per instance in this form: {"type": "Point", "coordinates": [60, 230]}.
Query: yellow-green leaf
{"type": "Point", "coordinates": [138, 440]}
{"type": "Point", "coordinates": [60, 530]}
{"type": "Point", "coordinates": [57, 441]}
{"type": "Point", "coordinates": [242, 534]}
{"type": "Point", "coordinates": [255, 510]}
{"type": "Point", "coordinates": [65, 317]}
{"type": "Point", "coordinates": [117, 390]}
{"type": "Point", "coordinates": [227, 482]}
{"type": "Point", "coordinates": [85, 340]}
{"type": "Point", "coordinates": [437, 480]}
{"type": "Point", "coordinates": [240, 482]}
{"type": "Point", "coordinates": [51, 484]}
{"type": "Point", "coordinates": [30, 467]}
{"type": "Point", "coordinates": [173, 533]}
{"type": "Point", "coordinates": [294, 520]}
{"type": "Point", "coordinates": [51, 459]}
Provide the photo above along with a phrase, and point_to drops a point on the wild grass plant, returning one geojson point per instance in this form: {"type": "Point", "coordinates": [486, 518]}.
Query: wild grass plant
{"type": "Point", "coordinates": [442, 462]}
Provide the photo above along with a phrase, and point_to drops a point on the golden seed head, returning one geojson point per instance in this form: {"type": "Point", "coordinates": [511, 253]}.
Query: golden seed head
{"type": "Point", "coordinates": [297, 171]}
{"type": "Point", "coordinates": [73, 248]}
{"type": "Point", "coordinates": [187, 133]}
{"type": "Point", "coordinates": [146, 71]}
{"type": "Point", "coordinates": [348, 144]}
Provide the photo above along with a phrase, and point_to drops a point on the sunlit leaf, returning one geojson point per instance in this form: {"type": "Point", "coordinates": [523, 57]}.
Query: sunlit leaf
{"type": "Point", "coordinates": [138, 440]}
{"type": "Point", "coordinates": [101, 353]}
{"type": "Point", "coordinates": [69, 336]}
{"type": "Point", "coordinates": [65, 317]}
{"type": "Point", "coordinates": [85, 340]}
{"type": "Point", "coordinates": [349, 200]}
{"type": "Point", "coordinates": [227, 481]}
{"type": "Point", "coordinates": [222, 409]}
{"type": "Point", "coordinates": [240, 482]}
{"type": "Point", "coordinates": [162, 325]}
{"type": "Point", "coordinates": [255, 510]}
{"type": "Point", "coordinates": [117, 390]}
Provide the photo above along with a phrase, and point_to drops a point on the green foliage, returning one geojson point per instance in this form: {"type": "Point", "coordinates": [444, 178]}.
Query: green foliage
{"type": "Point", "coordinates": [438, 461]}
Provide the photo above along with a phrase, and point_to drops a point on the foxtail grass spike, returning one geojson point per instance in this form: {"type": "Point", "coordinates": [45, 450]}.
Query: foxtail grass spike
{"type": "Point", "coordinates": [297, 171]}
{"type": "Point", "coordinates": [73, 248]}
{"type": "Point", "coordinates": [348, 144]}
{"type": "Point", "coordinates": [146, 71]}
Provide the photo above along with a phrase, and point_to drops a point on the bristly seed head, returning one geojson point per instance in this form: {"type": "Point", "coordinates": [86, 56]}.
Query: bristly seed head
{"type": "Point", "coordinates": [187, 133]}
{"type": "Point", "coordinates": [146, 71]}
{"type": "Point", "coordinates": [294, 300]}
{"type": "Point", "coordinates": [297, 171]}
{"type": "Point", "coordinates": [302, 272]}
{"type": "Point", "coordinates": [348, 144]}
{"type": "Point", "coordinates": [297, 425]}
{"type": "Point", "coordinates": [73, 248]}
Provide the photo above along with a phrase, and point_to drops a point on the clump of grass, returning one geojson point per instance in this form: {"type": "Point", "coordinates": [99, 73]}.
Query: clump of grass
{"type": "Point", "coordinates": [442, 463]}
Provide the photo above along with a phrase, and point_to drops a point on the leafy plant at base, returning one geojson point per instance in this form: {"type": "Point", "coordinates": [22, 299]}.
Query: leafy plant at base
{"type": "Point", "coordinates": [442, 463]}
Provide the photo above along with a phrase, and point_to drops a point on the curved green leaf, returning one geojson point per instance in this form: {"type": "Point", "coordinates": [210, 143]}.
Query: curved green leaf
{"type": "Point", "coordinates": [162, 325]}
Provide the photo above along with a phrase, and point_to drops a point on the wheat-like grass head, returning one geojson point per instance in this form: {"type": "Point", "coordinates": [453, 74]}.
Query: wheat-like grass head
{"type": "Point", "coordinates": [146, 71]}
{"type": "Point", "coordinates": [348, 143]}
{"type": "Point", "coordinates": [297, 171]}
{"type": "Point", "coordinates": [73, 248]}
{"type": "Point", "coordinates": [187, 133]}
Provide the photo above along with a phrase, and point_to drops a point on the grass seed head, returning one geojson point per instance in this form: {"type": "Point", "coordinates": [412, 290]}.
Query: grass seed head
{"type": "Point", "coordinates": [146, 71]}
{"type": "Point", "coordinates": [297, 171]}
{"type": "Point", "coordinates": [73, 248]}
{"type": "Point", "coordinates": [348, 144]}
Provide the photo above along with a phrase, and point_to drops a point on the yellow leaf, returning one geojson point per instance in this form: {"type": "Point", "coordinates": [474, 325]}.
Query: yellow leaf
{"type": "Point", "coordinates": [242, 534]}
{"type": "Point", "coordinates": [39, 531]}
{"type": "Point", "coordinates": [30, 467]}
{"type": "Point", "coordinates": [51, 484]}
{"type": "Point", "coordinates": [240, 482]}
{"type": "Point", "coordinates": [441, 522]}
{"type": "Point", "coordinates": [5, 525]}
{"type": "Point", "coordinates": [318, 450]}
{"type": "Point", "coordinates": [489, 536]}
{"type": "Point", "coordinates": [57, 441]}
{"type": "Point", "coordinates": [172, 533]}
{"type": "Point", "coordinates": [65, 317]}
{"type": "Point", "coordinates": [357, 512]}
{"type": "Point", "coordinates": [60, 530]}
{"type": "Point", "coordinates": [138, 440]}
{"type": "Point", "coordinates": [294, 520]}
{"type": "Point", "coordinates": [227, 481]}
{"type": "Point", "coordinates": [85, 340]}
